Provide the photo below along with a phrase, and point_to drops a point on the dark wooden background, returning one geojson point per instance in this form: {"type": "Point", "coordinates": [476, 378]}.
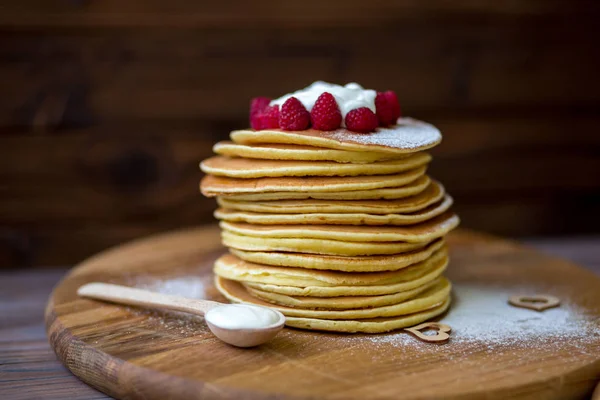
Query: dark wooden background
{"type": "Point", "coordinates": [106, 107]}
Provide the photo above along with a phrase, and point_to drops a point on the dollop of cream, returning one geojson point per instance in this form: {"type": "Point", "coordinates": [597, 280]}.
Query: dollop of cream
{"type": "Point", "coordinates": [241, 316]}
{"type": "Point", "coordinates": [348, 97]}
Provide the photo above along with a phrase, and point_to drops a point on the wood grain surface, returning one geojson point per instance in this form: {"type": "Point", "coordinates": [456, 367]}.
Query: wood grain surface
{"type": "Point", "coordinates": [131, 353]}
{"type": "Point", "coordinates": [30, 370]}
{"type": "Point", "coordinates": [112, 104]}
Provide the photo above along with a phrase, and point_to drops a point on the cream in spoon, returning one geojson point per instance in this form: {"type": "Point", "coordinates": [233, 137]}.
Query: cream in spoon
{"type": "Point", "coordinates": [241, 316]}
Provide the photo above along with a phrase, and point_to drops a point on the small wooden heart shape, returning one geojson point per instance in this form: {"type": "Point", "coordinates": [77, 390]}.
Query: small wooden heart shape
{"type": "Point", "coordinates": [537, 302]}
{"type": "Point", "coordinates": [441, 335]}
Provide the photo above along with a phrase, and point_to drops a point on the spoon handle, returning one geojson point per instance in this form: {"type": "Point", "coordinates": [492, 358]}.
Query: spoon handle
{"type": "Point", "coordinates": [144, 298]}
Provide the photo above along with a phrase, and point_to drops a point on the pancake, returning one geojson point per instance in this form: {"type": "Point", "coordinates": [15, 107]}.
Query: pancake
{"type": "Point", "coordinates": [420, 233]}
{"type": "Point", "coordinates": [317, 283]}
{"type": "Point", "coordinates": [253, 168]}
{"type": "Point", "coordinates": [408, 136]}
{"type": "Point", "coordinates": [315, 246]}
{"type": "Point", "coordinates": [410, 189]}
{"type": "Point", "coordinates": [427, 299]}
{"type": "Point", "coordinates": [432, 194]}
{"type": "Point", "coordinates": [334, 218]}
{"type": "Point", "coordinates": [219, 185]}
{"type": "Point", "coordinates": [391, 262]}
{"type": "Point", "coordinates": [300, 153]}
{"type": "Point", "coordinates": [341, 291]}
{"type": "Point", "coordinates": [339, 303]}
{"type": "Point", "coordinates": [374, 325]}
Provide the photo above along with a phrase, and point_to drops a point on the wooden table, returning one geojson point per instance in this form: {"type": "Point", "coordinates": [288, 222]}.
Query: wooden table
{"type": "Point", "coordinates": [30, 370]}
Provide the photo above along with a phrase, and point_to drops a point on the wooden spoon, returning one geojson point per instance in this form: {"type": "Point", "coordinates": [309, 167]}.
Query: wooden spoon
{"type": "Point", "coordinates": [240, 337]}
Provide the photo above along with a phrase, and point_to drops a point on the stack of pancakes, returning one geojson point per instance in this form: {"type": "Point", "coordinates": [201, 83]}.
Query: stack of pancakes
{"type": "Point", "coordinates": [339, 231]}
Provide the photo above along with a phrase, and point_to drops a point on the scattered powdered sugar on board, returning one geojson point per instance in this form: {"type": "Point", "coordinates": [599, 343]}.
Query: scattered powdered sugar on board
{"type": "Point", "coordinates": [481, 315]}
{"type": "Point", "coordinates": [173, 322]}
{"type": "Point", "coordinates": [408, 134]}
{"type": "Point", "coordinates": [186, 286]}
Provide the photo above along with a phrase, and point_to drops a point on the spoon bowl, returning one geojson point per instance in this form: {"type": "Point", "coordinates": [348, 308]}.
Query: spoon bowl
{"type": "Point", "coordinates": [239, 337]}
{"type": "Point", "coordinates": [247, 337]}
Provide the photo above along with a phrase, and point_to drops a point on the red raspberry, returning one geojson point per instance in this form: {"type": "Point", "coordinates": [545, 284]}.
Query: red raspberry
{"type": "Point", "coordinates": [388, 108]}
{"type": "Point", "coordinates": [325, 114]}
{"type": "Point", "coordinates": [257, 106]}
{"type": "Point", "coordinates": [293, 116]}
{"type": "Point", "coordinates": [269, 118]}
{"type": "Point", "coordinates": [361, 120]}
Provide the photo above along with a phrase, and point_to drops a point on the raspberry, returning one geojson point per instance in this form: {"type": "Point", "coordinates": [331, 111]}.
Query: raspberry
{"type": "Point", "coordinates": [257, 106]}
{"type": "Point", "coordinates": [293, 116]}
{"type": "Point", "coordinates": [361, 120]}
{"type": "Point", "coordinates": [325, 114]}
{"type": "Point", "coordinates": [269, 118]}
{"type": "Point", "coordinates": [388, 108]}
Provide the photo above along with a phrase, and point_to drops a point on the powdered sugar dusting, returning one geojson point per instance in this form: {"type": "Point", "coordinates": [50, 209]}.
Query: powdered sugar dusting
{"type": "Point", "coordinates": [480, 315]}
{"type": "Point", "coordinates": [408, 134]}
{"type": "Point", "coordinates": [483, 314]}
{"type": "Point", "coordinates": [173, 322]}
{"type": "Point", "coordinates": [186, 286]}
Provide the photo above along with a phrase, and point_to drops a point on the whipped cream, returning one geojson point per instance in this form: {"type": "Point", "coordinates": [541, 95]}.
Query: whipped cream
{"type": "Point", "coordinates": [241, 316]}
{"type": "Point", "coordinates": [348, 97]}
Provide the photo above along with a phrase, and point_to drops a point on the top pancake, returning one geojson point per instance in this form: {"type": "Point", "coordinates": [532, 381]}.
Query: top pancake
{"type": "Point", "coordinates": [408, 136]}
{"type": "Point", "coordinates": [266, 151]}
{"type": "Point", "coordinates": [252, 168]}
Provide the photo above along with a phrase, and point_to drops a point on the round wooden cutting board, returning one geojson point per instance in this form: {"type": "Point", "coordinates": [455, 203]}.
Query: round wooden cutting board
{"type": "Point", "coordinates": [495, 350]}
